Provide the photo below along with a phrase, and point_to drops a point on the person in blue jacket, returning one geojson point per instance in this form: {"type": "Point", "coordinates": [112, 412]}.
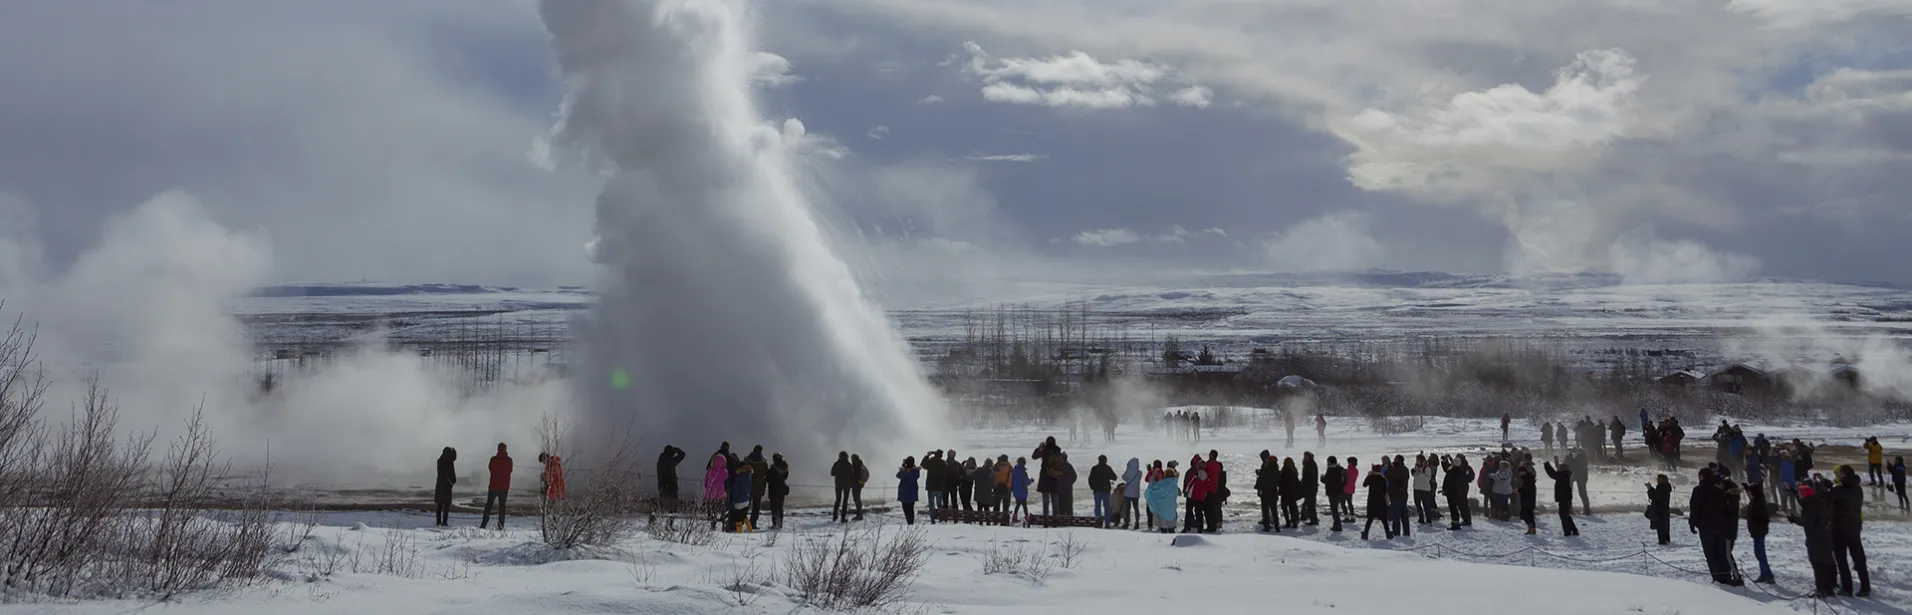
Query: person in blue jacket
{"type": "Point", "coordinates": [906, 481]}
{"type": "Point", "coordinates": [1161, 496]}
{"type": "Point", "coordinates": [738, 488]}
{"type": "Point", "coordinates": [1019, 489]}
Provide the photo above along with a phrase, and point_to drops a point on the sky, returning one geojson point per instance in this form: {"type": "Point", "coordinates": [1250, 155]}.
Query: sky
{"type": "Point", "coordinates": [408, 141]}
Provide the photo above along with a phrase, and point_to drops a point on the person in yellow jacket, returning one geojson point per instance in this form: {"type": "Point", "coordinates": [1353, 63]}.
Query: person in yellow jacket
{"type": "Point", "coordinates": [1875, 461]}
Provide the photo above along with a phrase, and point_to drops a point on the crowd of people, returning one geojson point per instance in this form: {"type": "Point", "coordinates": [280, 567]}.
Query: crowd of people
{"type": "Point", "coordinates": [1749, 479]}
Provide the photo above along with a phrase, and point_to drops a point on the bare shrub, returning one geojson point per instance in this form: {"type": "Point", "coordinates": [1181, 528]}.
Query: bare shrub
{"type": "Point", "coordinates": [1068, 551]}
{"type": "Point", "coordinates": [1026, 561]}
{"type": "Point", "coordinates": [600, 500]}
{"type": "Point", "coordinates": [859, 569]}
{"type": "Point", "coordinates": [745, 581]}
{"type": "Point", "coordinates": [692, 532]}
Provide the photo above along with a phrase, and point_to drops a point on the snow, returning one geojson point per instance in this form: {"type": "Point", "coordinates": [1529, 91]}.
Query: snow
{"type": "Point", "coordinates": [406, 567]}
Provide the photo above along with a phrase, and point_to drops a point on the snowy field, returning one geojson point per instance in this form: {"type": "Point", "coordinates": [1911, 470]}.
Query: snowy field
{"type": "Point", "coordinates": [372, 563]}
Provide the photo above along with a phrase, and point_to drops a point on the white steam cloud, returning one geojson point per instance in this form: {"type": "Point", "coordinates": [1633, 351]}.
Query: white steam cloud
{"type": "Point", "coordinates": [1640, 258]}
{"type": "Point", "coordinates": [149, 309]}
{"type": "Point", "coordinates": [1336, 241]}
{"type": "Point", "coordinates": [723, 312]}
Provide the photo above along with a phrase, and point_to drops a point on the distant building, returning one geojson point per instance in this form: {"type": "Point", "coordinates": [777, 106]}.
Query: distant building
{"type": "Point", "coordinates": [1682, 378]}
{"type": "Point", "coordinates": [1845, 374]}
{"type": "Point", "coordinates": [1740, 378]}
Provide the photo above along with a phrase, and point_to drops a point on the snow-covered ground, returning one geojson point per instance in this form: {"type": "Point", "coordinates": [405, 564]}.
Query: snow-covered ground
{"type": "Point", "coordinates": [386, 563]}
{"type": "Point", "coordinates": [373, 563]}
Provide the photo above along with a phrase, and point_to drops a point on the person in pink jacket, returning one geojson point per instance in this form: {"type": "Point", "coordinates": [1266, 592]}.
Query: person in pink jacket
{"type": "Point", "coordinates": [716, 474]}
{"type": "Point", "coordinates": [1354, 475]}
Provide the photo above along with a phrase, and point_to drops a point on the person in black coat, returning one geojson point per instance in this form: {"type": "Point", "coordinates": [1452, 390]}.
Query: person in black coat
{"type": "Point", "coordinates": [1291, 492]}
{"type": "Point", "coordinates": [1714, 517]}
{"type": "Point", "coordinates": [1336, 481]}
{"type": "Point", "coordinates": [441, 493]}
{"type": "Point", "coordinates": [1399, 482]}
{"type": "Point", "coordinates": [667, 471]}
{"type": "Point", "coordinates": [1659, 508]}
{"type": "Point", "coordinates": [1268, 489]}
{"type": "Point", "coordinates": [1814, 517]}
{"type": "Point", "coordinates": [844, 477]}
{"type": "Point", "coordinates": [1848, 500]}
{"type": "Point", "coordinates": [1526, 483]}
{"type": "Point", "coordinates": [1310, 476]}
{"type": "Point", "coordinates": [1457, 477]}
{"type": "Point", "coordinates": [1563, 497]}
{"type": "Point", "coordinates": [779, 489]}
{"type": "Point", "coordinates": [1758, 522]}
{"type": "Point", "coordinates": [1377, 484]}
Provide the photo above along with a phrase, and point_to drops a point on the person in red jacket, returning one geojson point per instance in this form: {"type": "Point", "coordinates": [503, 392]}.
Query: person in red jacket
{"type": "Point", "coordinates": [1195, 486]}
{"type": "Point", "coordinates": [500, 467]}
{"type": "Point", "coordinates": [553, 477]}
{"type": "Point", "coordinates": [1217, 492]}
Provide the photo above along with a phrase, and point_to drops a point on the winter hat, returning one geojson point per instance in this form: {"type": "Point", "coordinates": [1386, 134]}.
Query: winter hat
{"type": "Point", "coordinates": [1805, 491]}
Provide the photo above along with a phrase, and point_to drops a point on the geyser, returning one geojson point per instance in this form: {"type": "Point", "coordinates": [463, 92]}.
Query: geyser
{"type": "Point", "coordinates": [723, 314]}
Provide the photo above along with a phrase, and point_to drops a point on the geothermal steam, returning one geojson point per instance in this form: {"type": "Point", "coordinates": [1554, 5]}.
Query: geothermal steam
{"type": "Point", "coordinates": [724, 313]}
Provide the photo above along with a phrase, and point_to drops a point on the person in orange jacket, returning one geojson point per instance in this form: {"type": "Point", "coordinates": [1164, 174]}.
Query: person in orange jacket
{"type": "Point", "coordinates": [499, 486]}
{"type": "Point", "coordinates": [553, 476]}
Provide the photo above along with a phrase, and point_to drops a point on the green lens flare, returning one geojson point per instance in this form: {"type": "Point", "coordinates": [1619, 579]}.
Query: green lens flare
{"type": "Point", "coordinates": [620, 379]}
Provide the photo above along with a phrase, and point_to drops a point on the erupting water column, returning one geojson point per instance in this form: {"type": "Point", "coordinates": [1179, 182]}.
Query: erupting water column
{"type": "Point", "coordinates": [724, 314]}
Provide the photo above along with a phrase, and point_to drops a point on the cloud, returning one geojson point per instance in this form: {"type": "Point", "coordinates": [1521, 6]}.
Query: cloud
{"type": "Point", "coordinates": [930, 99]}
{"type": "Point", "coordinates": [1075, 79]}
{"type": "Point", "coordinates": [1193, 96]}
{"type": "Point", "coordinates": [1023, 157]}
{"type": "Point", "coordinates": [1336, 241]}
{"type": "Point", "coordinates": [877, 132]}
{"type": "Point", "coordinates": [771, 70]}
{"type": "Point", "coordinates": [1108, 237]}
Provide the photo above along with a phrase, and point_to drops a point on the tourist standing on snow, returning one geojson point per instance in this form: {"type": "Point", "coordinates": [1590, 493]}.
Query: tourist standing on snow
{"type": "Point", "coordinates": [1310, 477]}
{"type": "Point", "coordinates": [667, 471]}
{"type": "Point", "coordinates": [1659, 508]}
{"type": "Point", "coordinates": [934, 474]}
{"type": "Point", "coordinates": [1503, 478]}
{"type": "Point", "coordinates": [1898, 482]}
{"type": "Point", "coordinates": [498, 487]}
{"type": "Point", "coordinates": [1333, 479]}
{"type": "Point", "coordinates": [1875, 461]}
{"type": "Point", "coordinates": [1321, 430]}
{"type": "Point", "coordinates": [843, 480]}
{"type": "Point", "coordinates": [739, 490]}
{"type": "Point", "coordinates": [1399, 482]}
{"type": "Point", "coordinates": [1161, 499]}
{"type": "Point", "coordinates": [1005, 474]}
{"type": "Point", "coordinates": [1577, 461]}
{"type": "Point", "coordinates": [1527, 482]}
{"type": "Point", "coordinates": [1290, 489]}
{"type": "Point", "coordinates": [983, 480]}
{"type": "Point", "coordinates": [1457, 477]}
{"type": "Point", "coordinates": [1563, 478]}
{"type": "Point", "coordinates": [1101, 482]}
{"type": "Point", "coordinates": [779, 489]}
{"type": "Point", "coordinates": [1268, 491]}
{"type": "Point", "coordinates": [1713, 516]}
{"type": "Point", "coordinates": [1019, 489]}
{"type": "Point", "coordinates": [1353, 471]}
{"type": "Point", "coordinates": [1506, 420]}
{"type": "Point", "coordinates": [1217, 491]}
{"type": "Point", "coordinates": [1377, 484]}
{"type": "Point", "coordinates": [959, 480]}
{"type": "Point", "coordinates": [1815, 517]}
{"type": "Point", "coordinates": [1288, 421]}
{"type": "Point", "coordinates": [759, 483]}
{"type": "Point", "coordinates": [1617, 430]}
{"type": "Point", "coordinates": [1788, 480]}
{"type": "Point", "coordinates": [552, 477]}
{"type": "Point", "coordinates": [1046, 455]}
{"type": "Point", "coordinates": [1547, 436]}
{"type": "Point", "coordinates": [1758, 521]}
{"type": "Point", "coordinates": [1065, 486]}
{"type": "Point", "coordinates": [441, 491]}
{"type": "Point", "coordinates": [906, 481]}
{"type": "Point", "coordinates": [1848, 502]}
{"type": "Point", "coordinates": [856, 488]}
{"type": "Point", "coordinates": [1195, 488]}
{"type": "Point", "coordinates": [1132, 494]}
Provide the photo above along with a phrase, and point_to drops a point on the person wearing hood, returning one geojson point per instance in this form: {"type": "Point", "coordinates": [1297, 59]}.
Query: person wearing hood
{"type": "Point", "coordinates": [739, 490]}
{"type": "Point", "coordinates": [856, 488]}
{"type": "Point", "coordinates": [1377, 484]}
{"type": "Point", "coordinates": [779, 489]}
{"type": "Point", "coordinates": [1503, 485]}
{"type": "Point", "coordinates": [906, 481]}
{"type": "Point", "coordinates": [1815, 518]}
{"type": "Point", "coordinates": [1563, 496]}
{"type": "Point", "coordinates": [983, 478]}
{"type": "Point", "coordinates": [1848, 503]}
{"type": "Point", "coordinates": [441, 492]}
{"type": "Point", "coordinates": [1132, 494]}
{"type": "Point", "coordinates": [1618, 431]}
{"type": "Point", "coordinates": [716, 476]}
{"type": "Point", "coordinates": [1659, 508]}
{"type": "Point", "coordinates": [1708, 516]}
{"type": "Point", "coordinates": [1758, 522]}
{"type": "Point", "coordinates": [1290, 488]}
{"type": "Point", "coordinates": [1268, 489]}
{"type": "Point", "coordinates": [1458, 477]}
{"type": "Point", "coordinates": [1353, 476]}
{"type": "Point", "coordinates": [1547, 436]}
{"type": "Point", "coordinates": [1788, 481]}
{"type": "Point", "coordinates": [759, 482]}
{"type": "Point", "coordinates": [934, 474]}
{"type": "Point", "coordinates": [1897, 469]}
{"type": "Point", "coordinates": [1875, 461]}
{"type": "Point", "coordinates": [552, 477]}
{"type": "Point", "coordinates": [667, 471]}
{"type": "Point", "coordinates": [1161, 499]}
{"type": "Point", "coordinates": [1046, 455]}
{"type": "Point", "coordinates": [1333, 480]}
{"type": "Point", "coordinates": [1399, 482]}
{"type": "Point", "coordinates": [843, 478]}
{"type": "Point", "coordinates": [1310, 485]}
{"type": "Point", "coordinates": [1019, 489]}
{"type": "Point", "coordinates": [1217, 492]}
{"type": "Point", "coordinates": [1195, 488]}
{"type": "Point", "coordinates": [1101, 482]}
